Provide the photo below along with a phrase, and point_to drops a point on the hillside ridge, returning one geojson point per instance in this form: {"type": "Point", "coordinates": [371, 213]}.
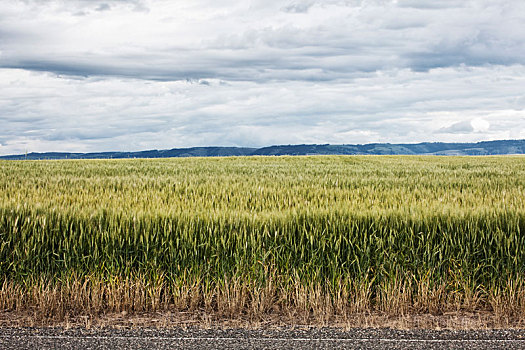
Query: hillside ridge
{"type": "Point", "coordinates": [499, 147]}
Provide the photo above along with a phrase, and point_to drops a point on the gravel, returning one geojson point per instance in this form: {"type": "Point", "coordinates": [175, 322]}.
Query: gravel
{"type": "Point", "coordinates": [275, 338]}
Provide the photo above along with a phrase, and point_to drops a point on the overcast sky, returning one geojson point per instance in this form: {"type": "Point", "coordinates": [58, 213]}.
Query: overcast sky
{"type": "Point", "coordinates": [84, 76]}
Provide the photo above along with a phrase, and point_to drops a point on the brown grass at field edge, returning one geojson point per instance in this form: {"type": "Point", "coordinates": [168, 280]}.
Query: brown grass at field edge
{"type": "Point", "coordinates": [128, 303]}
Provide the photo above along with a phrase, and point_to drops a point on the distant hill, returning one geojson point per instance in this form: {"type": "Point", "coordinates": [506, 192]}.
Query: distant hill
{"type": "Point", "coordinates": [425, 148]}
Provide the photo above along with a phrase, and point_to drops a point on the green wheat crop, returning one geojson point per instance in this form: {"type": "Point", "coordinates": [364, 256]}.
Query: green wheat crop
{"type": "Point", "coordinates": [246, 234]}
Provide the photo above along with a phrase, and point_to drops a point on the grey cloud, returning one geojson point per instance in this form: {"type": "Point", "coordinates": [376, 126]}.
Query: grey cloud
{"type": "Point", "coordinates": [297, 8]}
{"type": "Point", "coordinates": [20, 119]}
{"type": "Point", "coordinates": [423, 61]}
{"type": "Point", "coordinates": [103, 7]}
{"type": "Point", "coordinates": [404, 25]}
{"type": "Point", "coordinates": [482, 49]}
{"type": "Point", "coordinates": [519, 103]}
{"type": "Point", "coordinates": [461, 127]}
{"type": "Point", "coordinates": [84, 69]}
{"type": "Point", "coordinates": [140, 7]}
{"type": "Point", "coordinates": [340, 42]}
{"type": "Point", "coordinates": [442, 4]}
{"type": "Point", "coordinates": [83, 134]}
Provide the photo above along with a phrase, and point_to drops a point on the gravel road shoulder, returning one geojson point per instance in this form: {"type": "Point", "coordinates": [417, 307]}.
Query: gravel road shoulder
{"type": "Point", "coordinates": [275, 338]}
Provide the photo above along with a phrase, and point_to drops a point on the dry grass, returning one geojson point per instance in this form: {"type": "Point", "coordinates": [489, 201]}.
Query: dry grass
{"type": "Point", "coordinates": [127, 302]}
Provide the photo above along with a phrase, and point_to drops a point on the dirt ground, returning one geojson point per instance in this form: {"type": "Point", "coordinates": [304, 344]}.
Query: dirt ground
{"type": "Point", "coordinates": [166, 320]}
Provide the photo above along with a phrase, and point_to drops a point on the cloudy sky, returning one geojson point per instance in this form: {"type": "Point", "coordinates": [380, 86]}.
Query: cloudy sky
{"type": "Point", "coordinates": [83, 76]}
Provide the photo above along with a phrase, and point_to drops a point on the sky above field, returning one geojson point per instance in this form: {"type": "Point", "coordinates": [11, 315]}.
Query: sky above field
{"type": "Point", "coordinates": [83, 76]}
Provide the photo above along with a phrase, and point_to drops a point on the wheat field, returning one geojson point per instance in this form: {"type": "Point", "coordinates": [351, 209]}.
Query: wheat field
{"type": "Point", "coordinates": [315, 236]}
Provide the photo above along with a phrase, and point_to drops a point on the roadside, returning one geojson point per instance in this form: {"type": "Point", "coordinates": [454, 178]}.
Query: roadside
{"type": "Point", "coordinates": [265, 338]}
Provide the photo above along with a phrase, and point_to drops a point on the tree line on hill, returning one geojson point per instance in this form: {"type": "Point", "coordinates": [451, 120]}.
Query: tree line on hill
{"type": "Point", "coordinates": [425, 148]}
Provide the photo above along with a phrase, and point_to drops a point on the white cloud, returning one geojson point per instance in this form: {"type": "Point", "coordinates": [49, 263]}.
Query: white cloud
{"type": "Point", "coordinates": [480, 125]}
